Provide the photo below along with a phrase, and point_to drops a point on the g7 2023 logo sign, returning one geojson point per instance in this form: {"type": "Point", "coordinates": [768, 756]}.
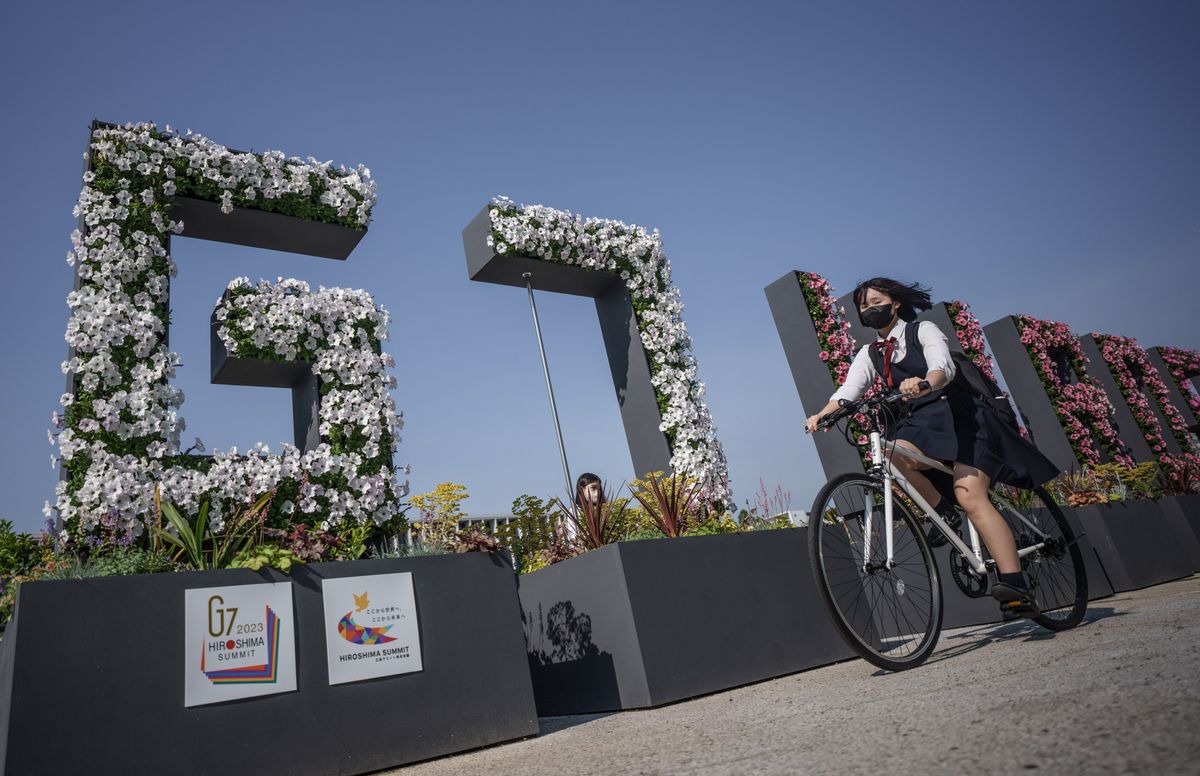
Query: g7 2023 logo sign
{"type": "Point", "coordinates": [239, 642]}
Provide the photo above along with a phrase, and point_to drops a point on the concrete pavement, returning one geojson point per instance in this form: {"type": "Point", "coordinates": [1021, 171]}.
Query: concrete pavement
{"type": "Point", "coordinates": [1118, 694]}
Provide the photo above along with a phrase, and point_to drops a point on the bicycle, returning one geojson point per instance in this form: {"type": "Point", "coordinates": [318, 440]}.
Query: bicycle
{"type": "Point", "coordinates": [881, 583]}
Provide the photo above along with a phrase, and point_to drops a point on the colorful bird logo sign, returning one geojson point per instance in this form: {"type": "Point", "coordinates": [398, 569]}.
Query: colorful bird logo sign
{"type": "Point", "coordinates": [358, 634]}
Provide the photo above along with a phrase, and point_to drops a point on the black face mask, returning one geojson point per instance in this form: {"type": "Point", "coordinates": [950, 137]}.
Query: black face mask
{"type": "Point", "coordinates": [877, 317]}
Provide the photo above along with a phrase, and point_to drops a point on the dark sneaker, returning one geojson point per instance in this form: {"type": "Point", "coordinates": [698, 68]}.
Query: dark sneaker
{"type": "Point", "coordinates": [1016, 601]}
{"type": "Point", "coordinates": [936, 537]}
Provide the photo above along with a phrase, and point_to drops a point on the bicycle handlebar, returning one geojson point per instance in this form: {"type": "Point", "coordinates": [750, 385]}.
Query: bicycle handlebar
{"type": "Point", "coordinates": [848, 407]}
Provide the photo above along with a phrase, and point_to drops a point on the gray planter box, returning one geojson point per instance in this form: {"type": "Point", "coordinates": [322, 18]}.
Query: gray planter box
{"type": "Point", "coordinates": [1097, 577]}
{"type": "Point", "coordinates": [640, 624]}
{"type": "Point", "coordinates": [802, 348]}
{"type": "Point", "coordinates": [204, 220]}
{"type": "Point", "coordinates": [1136, 544]}
{"type": "Point", "coordinates": [1183, 519]}
{"type": "Point", "coordinates": [105, 656]}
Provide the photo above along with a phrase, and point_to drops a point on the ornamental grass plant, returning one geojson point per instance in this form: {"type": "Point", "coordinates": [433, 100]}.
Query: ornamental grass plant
{"type": "Point", "coordinates": [673, 503]}
{"type": "Point", "coordinates": [594, 525]}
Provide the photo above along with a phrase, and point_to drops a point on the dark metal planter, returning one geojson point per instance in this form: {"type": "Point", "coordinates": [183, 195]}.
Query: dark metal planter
{"type": "Point", "coordinates": [104, 658]}
{"type": "Point", "coordinates": [640, 624]}
{"type": "Point", "coordinates": [204, 220]}
{"type": "Point", "coordinates": [1183, 519]}
{"type": "Point", "coordinates": [1097, 534]}
{"type": "Point", "coordinates": [1135, 542]}
{"type": "Point", "coordinates": [802, 347]}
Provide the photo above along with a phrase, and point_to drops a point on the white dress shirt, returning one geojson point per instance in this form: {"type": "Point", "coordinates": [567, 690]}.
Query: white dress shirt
{"type": "Point", "coordinates": [862, 370]}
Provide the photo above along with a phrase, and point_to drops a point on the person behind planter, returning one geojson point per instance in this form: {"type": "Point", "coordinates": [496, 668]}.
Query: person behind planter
{"type": "Point", "coordinates": [588, 490]}
{"type": "Point", "coordinates": [945, 422]}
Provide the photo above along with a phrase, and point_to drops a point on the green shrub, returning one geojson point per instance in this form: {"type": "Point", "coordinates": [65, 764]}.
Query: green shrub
{"type": "Point", "coordinates": [19, 552]}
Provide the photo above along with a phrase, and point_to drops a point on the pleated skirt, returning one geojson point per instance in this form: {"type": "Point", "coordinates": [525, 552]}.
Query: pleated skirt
{"type": "Point", "coordinates": [960, 427]}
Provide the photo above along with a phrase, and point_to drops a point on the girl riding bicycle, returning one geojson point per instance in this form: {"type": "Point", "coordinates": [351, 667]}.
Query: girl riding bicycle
{"type": "Point", "coordinates": [945, 423]}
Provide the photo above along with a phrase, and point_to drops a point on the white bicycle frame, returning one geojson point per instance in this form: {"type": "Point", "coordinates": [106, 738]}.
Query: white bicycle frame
{"type": "Point", "coordinates": [882, 465]}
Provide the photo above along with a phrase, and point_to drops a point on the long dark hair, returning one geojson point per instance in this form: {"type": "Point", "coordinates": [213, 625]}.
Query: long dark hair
{"type": "Point", "coordinates": [913, 297]}
{"type": "Point", "coordinates": [585, 479]}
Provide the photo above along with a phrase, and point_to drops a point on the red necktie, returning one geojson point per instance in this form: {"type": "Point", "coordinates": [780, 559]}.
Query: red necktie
{"type": "Point", "coordinates": [888, 347]}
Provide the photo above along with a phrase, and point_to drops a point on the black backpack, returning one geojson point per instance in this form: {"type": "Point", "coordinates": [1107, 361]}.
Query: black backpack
{"type": "Point", "coordinates": [969, 377]}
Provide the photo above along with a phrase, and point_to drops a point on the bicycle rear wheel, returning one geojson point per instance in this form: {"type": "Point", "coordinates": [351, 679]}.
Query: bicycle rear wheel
{"type": "Point", "coordinates": [890, 616]}
{"type": "Point", "coordinates": [1055, 573]}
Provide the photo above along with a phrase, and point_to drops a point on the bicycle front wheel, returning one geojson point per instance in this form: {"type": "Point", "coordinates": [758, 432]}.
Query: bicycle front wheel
{"type": "Point", "coordinates": [889, 616]}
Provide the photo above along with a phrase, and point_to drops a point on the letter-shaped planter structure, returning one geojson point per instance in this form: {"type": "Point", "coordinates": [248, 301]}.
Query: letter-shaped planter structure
{"type": "Point", "coordinates": [116, 643]}
{"type": "Point", "coordinates": [121, 422]}
{"type": "Point", "coordinates": [1183, 367]}
{"type": "Point", "coordinates": [812, 329]}
{"type": "Point", "coordinates": [1123, 371]}
{"type": "Point", "coordinates": [623, 268]}
{"type": "Point", "coordinates": [1065, 409]}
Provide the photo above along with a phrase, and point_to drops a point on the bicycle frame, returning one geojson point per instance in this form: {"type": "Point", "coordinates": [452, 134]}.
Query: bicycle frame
{"type": "Point", "coordinates": [882, 467]}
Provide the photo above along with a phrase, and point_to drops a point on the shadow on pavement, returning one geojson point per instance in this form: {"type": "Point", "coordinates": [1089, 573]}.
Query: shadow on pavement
{"type": "Point", "coordinates": [547, 725]}
{"type": "Point", "coordinates": [1027, 630]}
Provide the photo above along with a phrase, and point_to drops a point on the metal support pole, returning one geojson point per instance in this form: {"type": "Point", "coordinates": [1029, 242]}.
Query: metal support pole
{"type": "Point", "coordinates": [537, 327]}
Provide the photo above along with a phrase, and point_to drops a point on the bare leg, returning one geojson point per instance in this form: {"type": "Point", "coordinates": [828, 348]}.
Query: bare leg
{"type": "Point", "coordinates": [912, 469]}
{"type": "Point", "coordinates": [971, 490]}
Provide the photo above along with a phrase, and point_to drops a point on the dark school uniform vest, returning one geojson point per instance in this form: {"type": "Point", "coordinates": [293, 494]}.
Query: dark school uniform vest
{"type": "Point", "coordinates": [929, 423]}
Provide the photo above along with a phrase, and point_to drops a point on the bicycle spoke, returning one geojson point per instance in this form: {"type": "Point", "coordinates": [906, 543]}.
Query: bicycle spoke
{"type": "Point", "coordinates": [889, 610]}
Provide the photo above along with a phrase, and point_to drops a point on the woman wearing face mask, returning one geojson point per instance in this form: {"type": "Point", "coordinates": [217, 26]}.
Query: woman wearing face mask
{"type": "Point", "coordinates": [588, 490]}
{"type": "Point", "coordinates": [952, 426]}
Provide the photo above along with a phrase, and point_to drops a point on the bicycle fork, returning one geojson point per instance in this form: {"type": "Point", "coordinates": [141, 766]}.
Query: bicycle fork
{"type": "Point", "coordinates": [869, 509]}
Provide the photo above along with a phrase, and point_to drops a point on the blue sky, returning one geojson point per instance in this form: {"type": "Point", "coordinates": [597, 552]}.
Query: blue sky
{"type": "Point", "coordinates": [1026, 157]}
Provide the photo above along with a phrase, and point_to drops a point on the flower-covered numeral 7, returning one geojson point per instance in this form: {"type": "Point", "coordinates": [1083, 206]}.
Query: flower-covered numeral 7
{"type": "Point", "coordinates": [120, 425]}
{"type": "Point", "coordinates": [637, 258]}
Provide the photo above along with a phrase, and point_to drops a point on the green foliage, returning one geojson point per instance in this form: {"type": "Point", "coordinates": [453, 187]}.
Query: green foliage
{"type": "Point", "coordinates": [353, 540]}
{"type": "Point", "coordinates": [632, 522]}
{"type": "Point", "coordinates": [714, 525]}
{"type": "Point", "coordinates": [642, 534]}
{"type": "Point", "coordinates": [531, 534]}
{"type": "Point", "coordinates": [394, 547]}
{"type": "Point", "coordinates": [1122, 482]}
{"type": "Point", "coordinates": [673, 503]}
{"type": "Point", "coordinates": [129, 561]}
{"type": "Point", "coordinates": [265, 555]}
{"type": "Point", "coordinates": [440, 511]}
{"type": "Point", "coordinates": [1107, 482]}
{"type": "Point", "coordinates": [117, 561]}
{"type": "Point", "coordinates": [198, 546]}
{"type": "Point", "coordinates": [19, 552]}
{"type": "Point", "coordinates": [754, 522]}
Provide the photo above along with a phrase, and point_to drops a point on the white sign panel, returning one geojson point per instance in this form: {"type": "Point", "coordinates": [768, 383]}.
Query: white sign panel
{"type": "Point", "coordinates": [239, 642]}
{"type": "Point", "coordinates": [371, 627]}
